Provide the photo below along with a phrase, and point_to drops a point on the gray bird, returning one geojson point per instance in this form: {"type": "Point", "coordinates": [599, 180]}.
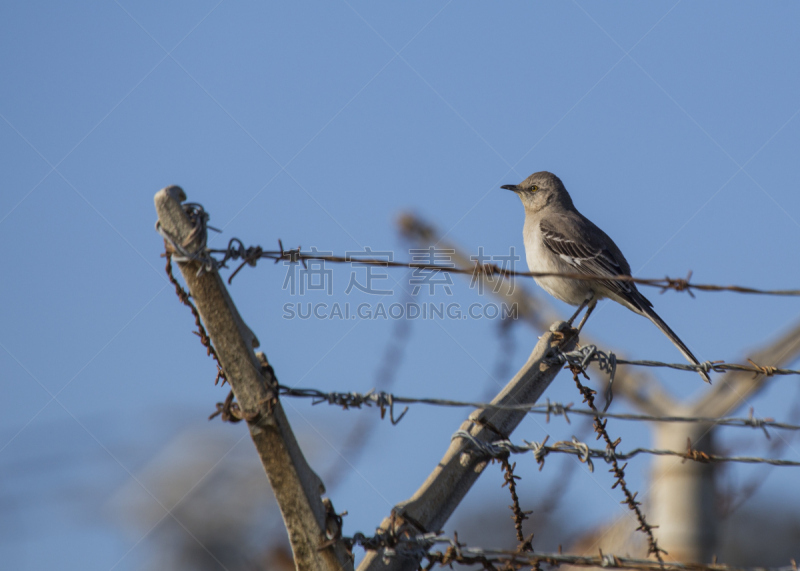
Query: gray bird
{"type": "Point", "coordinates": [560, 239]}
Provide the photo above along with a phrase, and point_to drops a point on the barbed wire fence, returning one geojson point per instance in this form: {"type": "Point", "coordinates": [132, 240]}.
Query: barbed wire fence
{"type": "Point", "coordinates": [252, 254]}
{"type": "Point", "coordinates": [404, 540]}
{"type": "Point", "coordinates": [691, 507]}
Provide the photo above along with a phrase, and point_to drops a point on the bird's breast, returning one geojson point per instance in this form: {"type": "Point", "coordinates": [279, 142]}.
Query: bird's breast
{"type": "Point", "coordinates": [540, 259]}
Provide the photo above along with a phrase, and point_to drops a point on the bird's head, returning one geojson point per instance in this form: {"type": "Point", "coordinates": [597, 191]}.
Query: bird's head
{"type": "Point", "coordinates": [540, 190]}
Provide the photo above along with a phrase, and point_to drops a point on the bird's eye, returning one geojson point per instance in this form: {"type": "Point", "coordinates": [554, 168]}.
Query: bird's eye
{"type": "Point", "coordinates": [534, 188]}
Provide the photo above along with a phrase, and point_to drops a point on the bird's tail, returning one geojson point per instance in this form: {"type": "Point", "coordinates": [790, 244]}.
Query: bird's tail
{"type": "Point", "coordinates": [653, 316]}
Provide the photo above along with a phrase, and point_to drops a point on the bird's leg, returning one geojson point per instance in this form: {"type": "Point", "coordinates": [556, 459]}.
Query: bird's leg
{"type": "Point", "coordinates": [585, 302]}
{"type": "Point", "coordinates": [592, 305]}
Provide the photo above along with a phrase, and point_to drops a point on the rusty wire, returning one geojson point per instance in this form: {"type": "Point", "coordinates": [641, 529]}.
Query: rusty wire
{"type": "Point", "coordinates": [457, 553]}
{"type": "Point", "coordinates": [574, 447]}
{"type": "Point", "coordinates": [519, 515]}
{"type": "Point", "coordinates": [184, 297]}
{"type": "Point", "coordinates": [198, 238]}
{"type": "Point", "coordinates": [230, 411]}
{"type": "Point", "coordinates": [383, 400]}
{"type": "Point", "coordinates": [617, 469]}
{"type": "Point", "coordinates": [716, 366]}
{"type": "Point", "coordinates": [250, 256]}
{"type": "Point", "coordinates": [421, 546]}
{"type": "Point", "coordinates": [608, 361]}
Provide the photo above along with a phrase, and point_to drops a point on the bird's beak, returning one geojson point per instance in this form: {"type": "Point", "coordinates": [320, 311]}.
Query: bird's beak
{"type": "Point", "coordinates": [513, 187]}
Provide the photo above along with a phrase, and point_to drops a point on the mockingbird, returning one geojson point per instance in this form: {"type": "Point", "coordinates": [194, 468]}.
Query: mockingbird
{"type": "Point", "coordinates": [560, 239]}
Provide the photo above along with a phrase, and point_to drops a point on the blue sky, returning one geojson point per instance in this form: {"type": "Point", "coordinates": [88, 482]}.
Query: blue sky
{"type": "Point", "coordinates": [674, 125]}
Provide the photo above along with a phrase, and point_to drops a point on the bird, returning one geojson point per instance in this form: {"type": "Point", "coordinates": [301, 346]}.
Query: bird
{"type": "Point", "coordinates": [559, 239]}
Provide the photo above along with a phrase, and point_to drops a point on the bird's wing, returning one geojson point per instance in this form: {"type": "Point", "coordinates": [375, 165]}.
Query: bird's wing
{"type": "Point", "coordinates": [589, 257]}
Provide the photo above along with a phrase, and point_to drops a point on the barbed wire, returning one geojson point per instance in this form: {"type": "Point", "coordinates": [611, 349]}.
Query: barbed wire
{"type": "Point", "coordinates": [383, 400]}
{"type": "Point", "coordinates": [519, 515]}
{"type": "Point", "coordinates": [250, 256]}
{"type": "Point", "coordinates": [501, 450]}
{"type": "Point", "coordinates": [716, 366]}
{"type": "Point", "coordinates": [421, 546]}
{"type": "Point", "coordinates": [607, 361]}
{"type": "Point", "coordinates": [616, 469]}
{"type": "Point", "coordinates": [585, 454]}
{"type": "Point", "coordinates": [184, 298]}
{"type": "Point", "coordinates": [197, 238]}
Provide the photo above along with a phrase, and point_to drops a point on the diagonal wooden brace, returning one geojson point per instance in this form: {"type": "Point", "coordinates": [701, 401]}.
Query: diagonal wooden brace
{"type": "Point", "coordinates": [297, 488]}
